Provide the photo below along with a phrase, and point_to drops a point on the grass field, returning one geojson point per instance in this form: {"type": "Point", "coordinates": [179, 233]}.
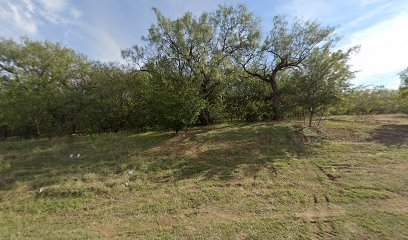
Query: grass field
{"type": "Point", "coordinates": [346, 180]}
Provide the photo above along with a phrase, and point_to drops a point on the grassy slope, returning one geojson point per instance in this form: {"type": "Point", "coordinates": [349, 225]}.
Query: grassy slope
{"type": "Point", "coordinates": [229, 181]}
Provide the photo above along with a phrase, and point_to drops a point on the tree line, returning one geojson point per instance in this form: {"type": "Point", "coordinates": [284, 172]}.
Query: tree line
{"type": "Point", "coordinates": [193, 70]}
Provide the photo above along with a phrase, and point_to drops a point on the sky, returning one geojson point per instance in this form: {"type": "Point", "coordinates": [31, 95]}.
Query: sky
{"type": "Point", "coordinates": [101, 28]}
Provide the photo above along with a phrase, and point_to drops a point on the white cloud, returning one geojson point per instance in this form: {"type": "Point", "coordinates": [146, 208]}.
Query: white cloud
{"type": "Point", "coordinates": [20, 18]}
{"type": "Point", "coordinates": [380, 10]}
{"type": "Point", "coordinates": [30, 6]}
{"type": "Point", "coordinates": [384, 49]}
{"type": "Point", "coordinates": [23, 17]}
{"type": "Point", "coordinates": [54, 5]}
{"type": "Point", "coordinates": [310, 9]}
{"type": "Point", "coordinates": [53, 11]}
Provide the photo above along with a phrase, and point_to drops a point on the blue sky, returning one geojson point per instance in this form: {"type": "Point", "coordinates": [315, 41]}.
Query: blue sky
{"type": "Point", "coordinates": [100, 28]}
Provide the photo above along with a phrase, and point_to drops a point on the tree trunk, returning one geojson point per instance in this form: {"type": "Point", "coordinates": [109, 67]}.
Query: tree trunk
{"type": "Point", "coordinates": [37, 128]}
{"type": "Point", "coordinates": [321, 116]}
{"type": "Point", "coordinates": [304, 117]}
{"type": "Point", "coordinates": [275, 100]}
{"type": "Point", "coordinates": [73, 128]}
{"type": "Point", "coordinates": [205, 117]}
{"type": "Point", "coordinates": [311, 113]}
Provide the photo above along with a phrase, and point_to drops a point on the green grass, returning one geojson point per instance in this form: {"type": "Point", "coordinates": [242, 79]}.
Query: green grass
{"type": "Point", "coordinates": [345, 180]}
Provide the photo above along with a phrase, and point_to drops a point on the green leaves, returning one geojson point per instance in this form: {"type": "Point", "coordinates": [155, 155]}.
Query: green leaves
{"type": "Point", "coordinates": [198, 49]}
{"type": "Point", "coordinates": [322, 80]}
{"type": "Point", "coordinates": [196, 69]}
{"type": "Point", "coordinates": [403, 92]}
{"type": "Point", "coordinates": [35, 76]}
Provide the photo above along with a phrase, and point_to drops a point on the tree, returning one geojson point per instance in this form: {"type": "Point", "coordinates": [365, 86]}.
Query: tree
{"type": "Point", "coordinates": [404, 78]}
{"type": "Point", "coordinates": [286, 47]}
{"type": "Point", "coordinates": [364, 100]}
{"type": "Point", "coordinates": [35, 77]}
{"type": "Point", "coordinates": [322, 80]}
{"type": "Point", "coordinates": [118, 98]}
{"type": "Point", "coordinates": [247, 99]}
{"type": "Point", "coordinates": [403, 91]}
{"type": "Point", "coordinates": [174, 101]}
{"type": "Point", "coordinates": [199, 48]}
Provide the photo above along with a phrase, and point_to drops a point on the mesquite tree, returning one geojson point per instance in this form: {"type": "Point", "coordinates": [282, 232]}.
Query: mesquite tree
{"type": "Point", "coordinates": [199, 48]}
{"type": "Point", "coordinates": [403, 91]}
{"type": "Point", "coordinates": [286, 46]}
{"type": "Point", "coordinates": [322, 80]}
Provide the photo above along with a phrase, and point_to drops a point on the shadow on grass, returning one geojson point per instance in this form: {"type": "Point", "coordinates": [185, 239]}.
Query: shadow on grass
{"type": "Point", "coordinates": [242, 152]}
{"type": "Point", "coordinates": [228, 152]}
{"type": "Point", "coordinates": [391, 134]}
{"type": "Point", "coordinates": [42, 162]}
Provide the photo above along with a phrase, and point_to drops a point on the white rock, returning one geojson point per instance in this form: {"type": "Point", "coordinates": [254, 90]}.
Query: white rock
{"type": "Point", "coordinates": [78, 155]}
{"type": "Point", "coordinates": [42, 189]}
{"type": "Point", "coordinates": [71, 155]}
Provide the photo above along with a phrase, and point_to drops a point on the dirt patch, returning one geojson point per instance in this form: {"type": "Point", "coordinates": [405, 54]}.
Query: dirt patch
{"type": "Point", "coordinates": [342, 134]}
{"type": "Point", "coordinates": [325, 214]}
{"type": "Point", "coordinates": [106, 230]}
{"type": "Point", "coordinates": [391, 134]}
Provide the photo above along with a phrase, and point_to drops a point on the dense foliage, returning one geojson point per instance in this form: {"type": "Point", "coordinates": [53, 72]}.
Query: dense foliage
{"type": "Point", "coordinates": [363, 100]}
{"type": "Point", "coordinates": [322, 82]}
{"type": "Point", "coordinates": [194, 70]}
{"type": "Point", "coordinates": [403, 93]}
